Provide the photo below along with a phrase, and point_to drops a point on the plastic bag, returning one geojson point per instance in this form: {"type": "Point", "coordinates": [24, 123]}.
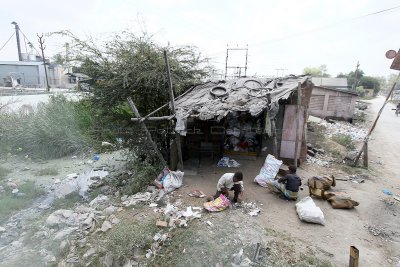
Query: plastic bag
{"type": "Point", "coordinates": [218, 204]}
{"type": "Point", "coordinates": [172, 181]}
{"type": "Point", "coordinates": [268, 171]}
{"type": "Point", "coordinates": [309, 212]}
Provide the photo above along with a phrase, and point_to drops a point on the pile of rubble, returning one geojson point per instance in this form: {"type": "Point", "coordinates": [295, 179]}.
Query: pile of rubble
{"type": "Point", "coordinates": [318, 156]}
{"type": "Point", "coordinates": [344, 128]}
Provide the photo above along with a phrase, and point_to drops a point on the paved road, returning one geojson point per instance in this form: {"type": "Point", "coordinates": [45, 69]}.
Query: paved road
{"type": "Point", "coordinates": [385, 140]}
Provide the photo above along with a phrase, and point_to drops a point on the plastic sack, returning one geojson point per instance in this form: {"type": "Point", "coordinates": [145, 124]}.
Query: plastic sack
{"type": "Point", "coordinates": [268, 171]}
{"type": "Point", "coordinates": [218, 204]}
{"type": "Point", "coordinates": [172, 181]}
{"type": "Point", "coordinates": [309, 212]}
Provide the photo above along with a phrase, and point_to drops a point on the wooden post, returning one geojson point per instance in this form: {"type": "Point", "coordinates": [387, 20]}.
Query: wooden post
{"type": "Point", "coordinates": [171, 95]}
{"type": "Point", "coordinates": [365, 154]}
{"type": "Point", "coordinates": [376, 120]}
{"type": "Point", "coordinates": [136, 112]}
{"type": "Point", "coordinates": [274, 139]}
{"type": "Point", "coordinates": [354, 256]}
{"type": "Point", "coordinates": [296, 149]}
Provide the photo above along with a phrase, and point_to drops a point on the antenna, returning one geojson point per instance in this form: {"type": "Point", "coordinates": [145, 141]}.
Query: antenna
{"type": "Point", "coordinates": [237, 70]}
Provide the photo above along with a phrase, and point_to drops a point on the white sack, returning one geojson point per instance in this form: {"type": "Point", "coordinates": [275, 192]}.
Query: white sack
{"type": "Point", "coordinates": [172, 181]}
{"type": "Point", "coordinates": [309, 212]}
{"type": "Point", "coordinates": [268, 171]}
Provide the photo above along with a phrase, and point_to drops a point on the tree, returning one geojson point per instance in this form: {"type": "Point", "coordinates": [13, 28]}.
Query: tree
{"type": "Point", "coordinates": [320, 71]}
{"type": "Point", "coordinates": [133, 66]}
{"type": "Point", "coordinates": [369, 82]}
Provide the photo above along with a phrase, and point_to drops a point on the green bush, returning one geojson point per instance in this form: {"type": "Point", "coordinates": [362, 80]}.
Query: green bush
{"type": "Point", "coordinates": [3, 172]}
{"type": "Point", "coordinates": [58, 128]}
{"type": "Point", "coordinates": [344, 140]}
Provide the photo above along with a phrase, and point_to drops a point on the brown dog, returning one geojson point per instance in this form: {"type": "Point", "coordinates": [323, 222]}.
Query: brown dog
{"type": "Point", "coordinates": [338, 202]}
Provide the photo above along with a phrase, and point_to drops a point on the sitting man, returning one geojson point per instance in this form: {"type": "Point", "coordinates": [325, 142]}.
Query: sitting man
{"type": "Point", "coordinates": [230, 182]}
{"type": "Point", "coordinates": [289, 185]}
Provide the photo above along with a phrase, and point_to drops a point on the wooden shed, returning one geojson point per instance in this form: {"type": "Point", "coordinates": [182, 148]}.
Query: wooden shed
{"type": "Point", "coordinates": [332, 103]}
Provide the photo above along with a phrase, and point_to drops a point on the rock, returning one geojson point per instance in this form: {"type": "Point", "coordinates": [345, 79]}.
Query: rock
{"type": "Point", "coordinates": [236, 225]}
{"type": "Point", "coordinates": [2, 229]}
{"type": "Point", "coordinates": [82, 242]}
{"type": "Point", "coordinates": [109, 210]}
{"type": "Point", "coordinates": [106, 190]}
{"type": "Point", "coordinates": [15, 191]}
{"type": "Point", "coordinates": [106, 226]}
{"type": "Point", "coordinates": [237, 258]}
{"type": "Point", "coordinates": [89, 253]}
{"type": "Point", "coordinates": [100, 202]}
{"type": "Point", "coordinates": [151, 188]}
{"type": "Point", "coordinates": [115, 220]}
{"type": "Point", "coordinates": [108, 260]}
{"type": "Point", "coordinates": [62, 217]}
{"type": "Point", "coordinates": [88, 222]}
{"type": "Point", "coordinates": [161, 224]}
{"type": "Point", "coordinates": [64, 244]}
{"type": "Point", "coordinates": [57, 181]}
{"type": "Point", "coordinates": [50, 258]}
{"type": "Point", "coordinates": [64, 233]}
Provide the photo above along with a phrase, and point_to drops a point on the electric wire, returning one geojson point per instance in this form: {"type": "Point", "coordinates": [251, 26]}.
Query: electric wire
{"type": "Point", "coordinates": [7, 41]}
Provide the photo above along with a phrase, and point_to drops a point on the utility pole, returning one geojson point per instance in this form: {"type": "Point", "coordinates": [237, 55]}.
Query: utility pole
{"type": "Point", "coordinates": [18, 42]}
{"type": "Point", "coordinates": [42, 48]}
{"type": "Point", "coordinates": [356, 77]}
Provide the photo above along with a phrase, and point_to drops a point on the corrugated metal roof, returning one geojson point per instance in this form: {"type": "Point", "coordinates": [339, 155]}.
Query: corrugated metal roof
{"type": "Point", "coordinates": [330, 82]}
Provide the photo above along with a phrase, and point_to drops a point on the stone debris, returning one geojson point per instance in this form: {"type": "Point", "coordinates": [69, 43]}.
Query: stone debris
{"type": "Point", "coordinates": [100, 202]}
{"type": "Point", "coordinates": [344, 128]}
{"type": "Point", "coordinates": [135, 199]}
{"type": "Point", "coordinates": [249, 208]}
{"type": "Point", "coordinates": [89, 253]}
{"type": "Point", "coordinates": [239, 260]}
{"type": "Point", "coordinates": [161, 224]}
{"type": "Point", "coordinates": [106, 226]}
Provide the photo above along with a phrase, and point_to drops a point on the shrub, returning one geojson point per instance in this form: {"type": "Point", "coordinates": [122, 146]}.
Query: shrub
{"type": "Point", "coordinates": [3, 172]}
{"type": "Point", "coordinates": [56, 129]}
{"type": "Point", "coordinates": [344, 140]}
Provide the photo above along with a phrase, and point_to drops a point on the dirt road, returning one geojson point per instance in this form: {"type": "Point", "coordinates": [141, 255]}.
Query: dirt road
{"type": "Point", "coordinates": [343, 228]}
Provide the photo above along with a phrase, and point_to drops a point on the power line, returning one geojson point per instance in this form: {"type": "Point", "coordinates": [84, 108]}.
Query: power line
{"type": "Point", "coordinates": [7, 41]}
{"type": "Point", "coordinates": [317, 29]}
{"type": "Point", "coordinates": [29, 41]}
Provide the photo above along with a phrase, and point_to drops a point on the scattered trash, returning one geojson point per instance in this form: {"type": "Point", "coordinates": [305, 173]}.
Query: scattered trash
{"type": "Point", "coordinates": [309, 212]}
{"type": "Point", "coordinates": [209, 223]}
{"type": "Point", "coordinates": [227, 162]}
{"type": "Point", "coordinates": [96, 157]}
{"type": "Point", "coordinates": [397, 198]}
{"type": "Point", "coordinates": [268, 171]}
{"type": "Point", "coordinates": [169, 180]}
{"type": "Point", "coordinates": [387, 192]}
{"type": "Point", "coordinates": [218, 204]}
{"type": "Point", "coordinates": [197, 193]}
{"type": "Point", "coordinates": [254, 212]}
{"type": "Point", "coordinates": [106, 144]}
{"type": "Point", "coordinates": [152, 205]}
{"type": "Point", "coordinates": [358, 179]}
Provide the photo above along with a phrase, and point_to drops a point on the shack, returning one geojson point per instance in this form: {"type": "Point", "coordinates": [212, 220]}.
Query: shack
{"type": "Point", "coordinates": [246, 118]}
{"type": "Point", "coordinates": [332, 103]}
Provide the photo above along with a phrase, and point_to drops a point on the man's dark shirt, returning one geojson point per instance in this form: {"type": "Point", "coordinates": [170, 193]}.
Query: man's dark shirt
{"type": "Point", "coordinates": [292, 181]}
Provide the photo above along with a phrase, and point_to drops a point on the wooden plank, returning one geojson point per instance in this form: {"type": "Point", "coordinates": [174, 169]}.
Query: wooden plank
{"type": "Point", "coordinates": [365, 153]}
{"type": "Point", "coordinates": [153, 144]}
{"type": "Point", "coordinates": [289, 132]}
{"type": "Point", "coordinates": [354, 256]}
{"type": "Point", "coordinates": [298, 115]}
{"type": "Point", "coordinates": [163, 118]}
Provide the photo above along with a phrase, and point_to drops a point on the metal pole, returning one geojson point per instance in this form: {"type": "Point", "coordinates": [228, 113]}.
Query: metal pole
{"type": "Point", "coordinates": [296, 149]}
{"type": "Point", "coordinates": [42, 48]}
{"type": "Point", "coordinates": [376, 120]}
{"type": "Point", "coordinates": [18, 42]}
{"type": "Point", "coordinates": [245, 67]}
{"type": "Point", "coordinates": [171, 95]}
{"type": "Point", "coordinates": [137, 114]}
{"type": "Point", "coordinates": [226, 62]}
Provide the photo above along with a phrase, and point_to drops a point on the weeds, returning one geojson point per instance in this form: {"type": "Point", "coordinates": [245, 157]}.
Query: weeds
{"type": "Point", "coordinates": [127, 235]}
{"type": "Point", "coordinates": [56, 129]}
{"type": "Point", "coordinates": [46, 171]}
{"type": "Point", "coordinates": [11, 203]}
{"type": "Point", "coordinates": [67, 202]}
{"type": "Point", "coordinates": [3, 172]}
{"type": "Point", "coordinates": [344, 140]}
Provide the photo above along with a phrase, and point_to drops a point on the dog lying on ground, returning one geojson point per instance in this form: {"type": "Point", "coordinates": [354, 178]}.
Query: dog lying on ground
{"type": "Point", "coordinates": [317, 185]}
{"type": "Point", "coordinates": [338, 202]}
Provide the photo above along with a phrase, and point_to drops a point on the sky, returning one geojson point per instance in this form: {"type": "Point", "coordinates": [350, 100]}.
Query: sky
{"type": "Point", "coordinates": [282, 37]}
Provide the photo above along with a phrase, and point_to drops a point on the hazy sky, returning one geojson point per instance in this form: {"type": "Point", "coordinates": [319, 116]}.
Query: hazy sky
{"type": "Point", "coordinates": [280, 34]}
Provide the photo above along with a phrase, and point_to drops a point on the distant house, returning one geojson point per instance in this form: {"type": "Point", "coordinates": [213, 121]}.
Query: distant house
{"type": "Point", "coordinates": [334, 83]}
{"type": "Point", "coordinates": [369, 92]}
{"type": "Point", "coordinates": [332, 103]}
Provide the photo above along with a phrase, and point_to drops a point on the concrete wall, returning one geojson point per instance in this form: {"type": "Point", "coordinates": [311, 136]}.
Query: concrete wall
{"type": "Point", "coordinates": [331, 103]}
{"type": "Point", "coordinates": [33, 74]}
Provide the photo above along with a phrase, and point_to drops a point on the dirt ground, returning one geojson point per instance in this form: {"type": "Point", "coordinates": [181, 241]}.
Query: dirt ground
{"type": "Point", "coordinates": [377, 212]}
{"type": "Point", "coordinates": [343, 228]}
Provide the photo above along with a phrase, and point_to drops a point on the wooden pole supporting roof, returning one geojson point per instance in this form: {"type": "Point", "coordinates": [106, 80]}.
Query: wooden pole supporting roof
{"type": "Point", "coordinates": [153, 144]}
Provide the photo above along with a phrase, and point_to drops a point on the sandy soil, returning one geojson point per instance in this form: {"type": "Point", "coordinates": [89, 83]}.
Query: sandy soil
{"type": "Point", "coordinates": [343, 228]}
